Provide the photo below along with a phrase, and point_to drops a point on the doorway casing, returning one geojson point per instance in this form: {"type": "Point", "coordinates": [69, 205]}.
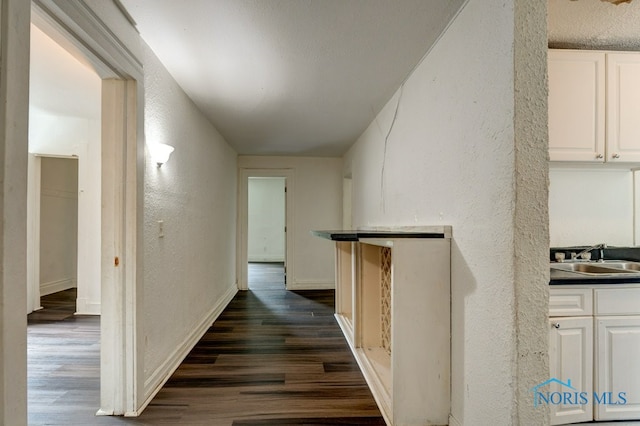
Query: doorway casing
{"type": "Point", "coordinates": [76, 27]}
{"type": "Point", "coordinates": [243, 220]}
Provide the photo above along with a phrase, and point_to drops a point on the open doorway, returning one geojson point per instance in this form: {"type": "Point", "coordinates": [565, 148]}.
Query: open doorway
{"type": "Point", "coordinates": [283, 180]}
{"type": "Point", "coordinates": [65, 128]}
{"type": "Point", "coordinates": [266, 238]}
{"type": "Point", "coordinates": [64, 236]}
{"type": "Point", "coordinates": [58, 225]}
{"type": "Point", "coordinates": [117, 162]}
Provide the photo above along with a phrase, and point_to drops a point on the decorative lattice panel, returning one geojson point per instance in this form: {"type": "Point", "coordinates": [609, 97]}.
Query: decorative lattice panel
{"type": "Point", "coordinates": [385, 297]}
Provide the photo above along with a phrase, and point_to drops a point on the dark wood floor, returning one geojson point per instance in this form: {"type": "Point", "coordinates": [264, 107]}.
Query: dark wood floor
{"type": "Point", "coordinates": [63, 358]}
{"type": "Point", "coordinates": [274, 357]}
{"type": "Point", "coordinates": [265, 276]}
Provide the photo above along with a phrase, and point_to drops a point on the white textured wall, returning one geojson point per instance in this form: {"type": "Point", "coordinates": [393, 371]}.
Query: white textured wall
{"type": "Point", "coordinates": [317, 195]}
{"type": "Point", "coordinates": [188, 270]}
{"type": "Point", "coordinates": [450, 159]}
{"type": "Point", "coordinates": [591, 206]}
{"type": "Point", "coordinates": [531, 218]}
{"type": "Point", "coordinates": [266, 220]}
{"type": "Point", "coordinates": [58, 224]}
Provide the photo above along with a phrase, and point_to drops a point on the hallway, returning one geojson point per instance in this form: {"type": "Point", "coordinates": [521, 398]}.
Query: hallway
{"type": "Point", "coordinates": [273, 357]}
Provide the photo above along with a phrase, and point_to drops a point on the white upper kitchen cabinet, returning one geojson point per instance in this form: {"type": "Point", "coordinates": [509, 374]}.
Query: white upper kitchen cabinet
{"type": "Point", "coordinates": [623, 107]}
{"type": "Point", "coordinates": [577, 83]}
{"type": "Point", "coordinates": [594, 106]}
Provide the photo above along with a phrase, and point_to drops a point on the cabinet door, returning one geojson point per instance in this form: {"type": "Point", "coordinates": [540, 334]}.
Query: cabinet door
{"type": "Point", "coordinates": [623, 107]}
{"type": "Point", "coordinates": [576, 105]}
{"type": "Point", "coordinates": [571, 359]}
{"type": "Point", "coordinates": [617, 368]}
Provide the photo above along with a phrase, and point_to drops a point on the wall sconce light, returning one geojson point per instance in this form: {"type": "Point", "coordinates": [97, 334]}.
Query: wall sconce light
{"type": "Point", "coordinates": [160, 153]}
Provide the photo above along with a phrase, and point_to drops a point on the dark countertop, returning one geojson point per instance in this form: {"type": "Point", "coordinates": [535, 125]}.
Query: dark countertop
{"type": "Point", "coordinates": [357, 235]}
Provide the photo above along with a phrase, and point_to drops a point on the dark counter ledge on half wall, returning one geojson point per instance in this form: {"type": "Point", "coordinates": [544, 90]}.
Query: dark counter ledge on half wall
{"type": "Point", "coordinates": [400, 232]}
{"type": "Point", "coordinates": [610, 253]}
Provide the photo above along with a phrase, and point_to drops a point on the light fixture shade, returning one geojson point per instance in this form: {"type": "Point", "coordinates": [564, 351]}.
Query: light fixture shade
{"type": "Point", "coordinates": [160, 153]}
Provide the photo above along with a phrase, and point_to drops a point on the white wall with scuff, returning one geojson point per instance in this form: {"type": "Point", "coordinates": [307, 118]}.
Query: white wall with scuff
{"type": "Point", "coordinates": [189, 266]}
{"type": "Point", "coordinates": [316, 192]}
{"type": "Point", "coordinates": [589, 206]}
{"type": "Point", "coordinates": [266, 242]}
{"type": "Point", "coordinates": [58, 224]}
{"type": "Point", "coordinates": [443, 151]}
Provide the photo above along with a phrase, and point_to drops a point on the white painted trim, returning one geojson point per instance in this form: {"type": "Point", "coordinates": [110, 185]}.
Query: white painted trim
{"type": "Point", "coordinates": [120, 374]}
{"type": "Point", "coordinates": [311, 285]}
{"type": "Point", "coordinates": [243, 221]}
{"type": "Point", "coordinates": [266, 259]}
{"type": "Point", "coordinates": [375, 386]}
{"type": "Point", "coordinates": [57, 285]}
{"type": "Point", "coordinates": [161, 374]}
{"type": "Point", "coordinates": [33, 232]}
{"type": "Point", "coordinates": [68, 157]}
{"type": "Point", "coordinates": [75, 26]}
{"type": "Point", "coordinates": [86, 307]}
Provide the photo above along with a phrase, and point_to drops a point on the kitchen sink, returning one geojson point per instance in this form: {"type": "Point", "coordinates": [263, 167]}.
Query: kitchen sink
{"type": "Point", "coordinates": [599, 269]}
{"type": "Point", "coordinates": [622, 264]}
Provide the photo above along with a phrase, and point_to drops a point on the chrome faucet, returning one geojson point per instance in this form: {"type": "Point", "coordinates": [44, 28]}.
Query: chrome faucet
{"type": "Point", "coordinates": [600, 247]}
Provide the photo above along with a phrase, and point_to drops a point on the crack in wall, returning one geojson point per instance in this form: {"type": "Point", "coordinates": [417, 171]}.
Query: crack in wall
{"type": "Point", "coordinates": [384, 152]}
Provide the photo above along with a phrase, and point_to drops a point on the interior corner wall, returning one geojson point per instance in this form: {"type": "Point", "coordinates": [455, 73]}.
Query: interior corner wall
{"type": "Point", "coordinates": [317, 198]}
{"type": "Point", "coordinates": [449, 160]}
{"type": "Point", "coordinates": [189, 224]}
{"type": "Point", "coordinates": [58, 225]}
{"type": "Point", "coordinates": [266, 220]}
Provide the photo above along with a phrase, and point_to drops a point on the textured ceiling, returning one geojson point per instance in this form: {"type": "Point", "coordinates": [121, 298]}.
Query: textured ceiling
{"type": "Point", "coordinates": [593, 24]}
{"type": "Point", "coordinates": [291, 77]}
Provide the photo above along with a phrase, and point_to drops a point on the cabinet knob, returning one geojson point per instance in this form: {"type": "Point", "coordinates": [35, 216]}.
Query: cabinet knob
{"type": "Point", "coordinates": [599, 156]}
{"type": "Point", "coordinates": [556, 325]}
{"type": "Point", "coordinates": [616, 155]}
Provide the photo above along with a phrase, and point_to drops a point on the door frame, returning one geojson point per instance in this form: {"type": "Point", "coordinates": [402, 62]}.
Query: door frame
{"type": "Point", "coordinates": [78, 29]}
{"type": "Point", "coordinates": [34, 195]}
{"type": "Point", "coordinates": [243, 221]}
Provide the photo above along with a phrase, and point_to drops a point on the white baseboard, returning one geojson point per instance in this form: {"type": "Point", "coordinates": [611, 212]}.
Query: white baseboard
{"type": "Point", "coordinates": [160, 376]}
{"type": "Point", "coordinates": [85, 307]}
{"type": "Point", "coordinates": [266, 259]}
{"type": "Point", "coordinates": [311, 285]}
{"type": "Point", "coordinates": [453, 421]}
{"type": "Point", "coordinates": [56, 286]}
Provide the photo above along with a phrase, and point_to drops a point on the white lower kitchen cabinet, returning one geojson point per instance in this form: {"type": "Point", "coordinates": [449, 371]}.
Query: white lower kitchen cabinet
{"type": "Point", "coordinates": [594, 342]}
{"type": "Point", "coordinates": [617, 367]}
{"type": "Point", "coordinates": [571, 360]}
